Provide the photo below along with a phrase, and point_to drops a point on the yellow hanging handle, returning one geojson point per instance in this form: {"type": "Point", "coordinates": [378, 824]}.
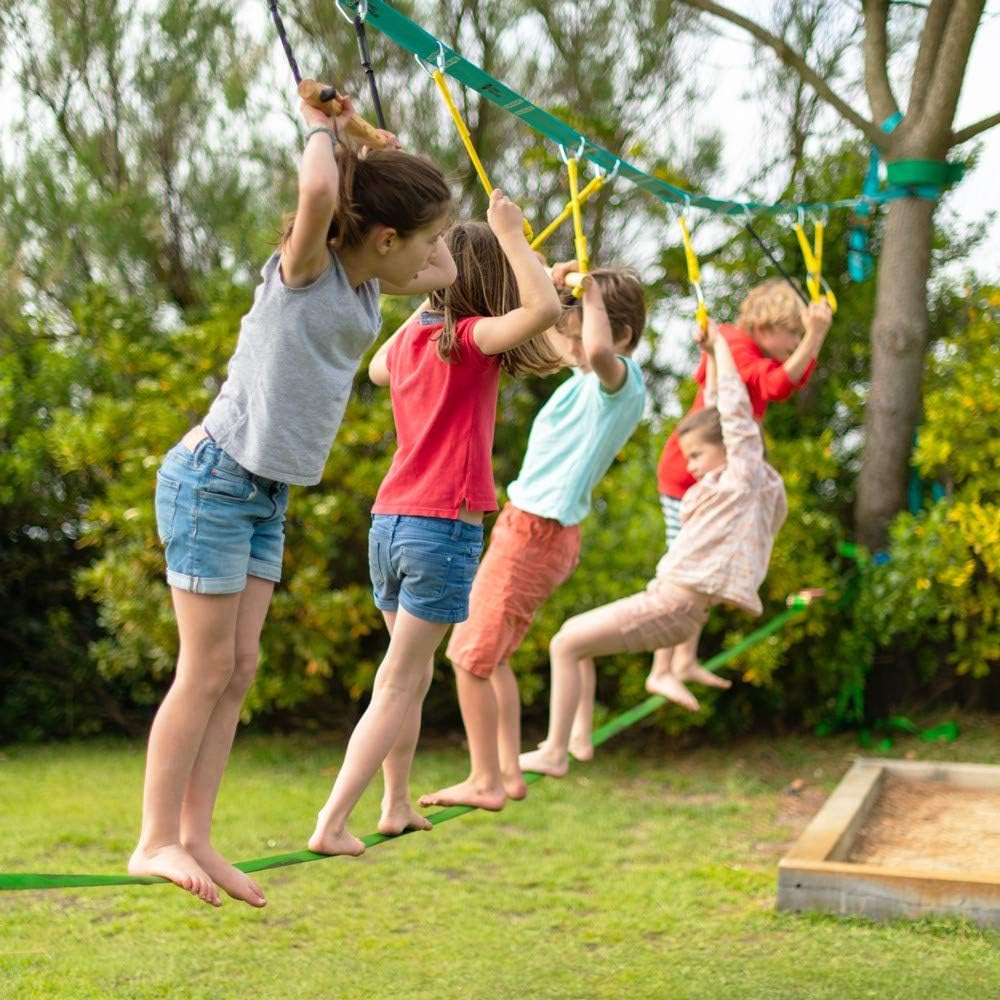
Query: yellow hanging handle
{"type": "Point", "coordinates": [579, 240]}
{"type": "Point", "coordinates": [588, 192]}
{"type": "Point", "coordinates": [466, 137]}
{"type": "Point", "coordinates": [813, 257]}
{"type": "Point", "coordinates": [694, 275]}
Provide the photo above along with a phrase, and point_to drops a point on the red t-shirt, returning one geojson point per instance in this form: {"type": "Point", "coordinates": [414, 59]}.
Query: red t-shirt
{"type": "Point", "coordinates": [445, 417]}
{"type": "Point", "coordinates": [766, 381]}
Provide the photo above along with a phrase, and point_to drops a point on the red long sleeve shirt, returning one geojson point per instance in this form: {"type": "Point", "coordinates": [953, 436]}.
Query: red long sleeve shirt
{"type": "Point", "coordinates": [766, 381]}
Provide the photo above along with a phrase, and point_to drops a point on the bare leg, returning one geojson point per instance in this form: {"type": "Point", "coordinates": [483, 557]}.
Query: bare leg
{"type": "Point", "coordinates": [484, 786]}
{"type": "Point", "coordinates": [205, 666]}
{"type": "Point", "coordinates": [400, 684]}
{"type": "Point", "coordinates": [594, 633]}
{"type": "Point", "coordinates": [398, 813]}
{"type": "Point", "coordinates": [686, 669]}
{"type": "Point", "coordinates": [206, 776]}
{"type": "Point", "coordinates": [508, 698]}
{"type": "Point", "coordinates": [661, 663]}
{"type": "Point", "coordinates": [683, 667]}
{"type": "Point", "coordinates": [581, 736]}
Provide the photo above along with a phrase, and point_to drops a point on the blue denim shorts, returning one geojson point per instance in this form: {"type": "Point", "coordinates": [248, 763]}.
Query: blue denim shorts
{"type": "Point", "coordinates": [218, 522]}
{"type": "Point", "coordinates": [425, 564]}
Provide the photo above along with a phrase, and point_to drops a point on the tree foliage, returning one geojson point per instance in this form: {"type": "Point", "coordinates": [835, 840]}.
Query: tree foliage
{"type": "Point", "coordinates": [141, 195]}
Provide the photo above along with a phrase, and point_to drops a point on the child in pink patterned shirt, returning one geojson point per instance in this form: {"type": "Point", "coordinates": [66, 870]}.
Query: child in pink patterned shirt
{"type": "Point", "coordinates": [728, 522]}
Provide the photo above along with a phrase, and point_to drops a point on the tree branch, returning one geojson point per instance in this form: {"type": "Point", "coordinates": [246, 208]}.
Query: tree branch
{"type": "Point", "coordinates": [971, 131]}
{"type": "Point", "coordinates": [794, 61]}
{"type": "Point", "coordinates": [876, 47]}
{"type": "Point", "coordinates": [941, 103]}
{"type": "Point", "coordinates": [930, 43]}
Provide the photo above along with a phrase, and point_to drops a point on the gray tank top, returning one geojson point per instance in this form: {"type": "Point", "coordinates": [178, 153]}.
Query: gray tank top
{"type": "Point", "coordinates": [299, 348]}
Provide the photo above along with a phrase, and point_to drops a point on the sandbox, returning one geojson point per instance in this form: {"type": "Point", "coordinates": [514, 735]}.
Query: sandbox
{"type": "Point", "coordinates": [901, 839]}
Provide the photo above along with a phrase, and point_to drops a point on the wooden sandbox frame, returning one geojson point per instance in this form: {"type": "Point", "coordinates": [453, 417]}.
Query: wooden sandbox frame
{"type": "Point", "coordinates": [816, 875]}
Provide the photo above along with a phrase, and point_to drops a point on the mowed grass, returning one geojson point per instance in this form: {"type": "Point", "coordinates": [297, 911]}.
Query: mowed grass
{"type": "Point", "coordinates": [647, 873]}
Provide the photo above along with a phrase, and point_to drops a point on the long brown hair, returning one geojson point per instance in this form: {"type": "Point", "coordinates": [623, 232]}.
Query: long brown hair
{"type": "Point", "coordinates": [486, 286]}
{"type": "Point", "coordinates": [384, 187]}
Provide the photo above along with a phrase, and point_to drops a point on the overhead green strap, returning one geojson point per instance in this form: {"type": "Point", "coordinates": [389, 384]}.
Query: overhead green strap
{"type": "Point", "coordinates": [432, 52]}
{"type": "Point", "coordinates": [601, 735]}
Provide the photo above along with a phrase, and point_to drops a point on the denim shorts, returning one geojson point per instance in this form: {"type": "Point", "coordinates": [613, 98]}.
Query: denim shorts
{"type": "Point", "coordinates": [425, 564]}
{"type": "Point", "coordinates": [218, 522]}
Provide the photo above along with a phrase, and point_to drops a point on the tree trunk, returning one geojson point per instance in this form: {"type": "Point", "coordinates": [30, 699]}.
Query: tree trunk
{"type": "Point", "coordinates": [899, 341]}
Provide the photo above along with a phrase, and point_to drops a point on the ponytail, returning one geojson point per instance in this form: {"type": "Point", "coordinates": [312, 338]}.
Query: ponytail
{"type": "Point", "coordinates": [384, 187]}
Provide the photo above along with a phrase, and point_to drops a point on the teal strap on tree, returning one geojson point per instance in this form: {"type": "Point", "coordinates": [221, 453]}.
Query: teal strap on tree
{"type": "Point", "coordinates": [860, 261]}
{"type": "Point", "coordinates": [601, 735]}
{"type": "Point", "coordinates": [431, 51]}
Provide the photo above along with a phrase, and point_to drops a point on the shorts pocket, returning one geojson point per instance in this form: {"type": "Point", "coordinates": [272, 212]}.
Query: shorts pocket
{"type": "Point", "coordinates": [165, 504]}
{"type": "Point", "coordinates": [426, 574]}
{"type": "Point", "coordinates": [233, 487]}
{"type": "Point", "coordinates": [375, 571]}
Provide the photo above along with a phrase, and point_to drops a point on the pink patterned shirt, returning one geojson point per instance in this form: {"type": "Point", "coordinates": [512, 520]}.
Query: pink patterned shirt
{"type": "Point", "coordinates": [729, 517]}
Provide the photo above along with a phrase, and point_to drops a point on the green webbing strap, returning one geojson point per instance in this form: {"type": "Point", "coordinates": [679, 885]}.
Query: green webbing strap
{"type": "Point", "coordinates": [934, 175]}
{"type": "Point", "coordinates": [946, 732]}
{"type": "Point", "coordinates": [410, 36]}
{"type": "Point", "coordinates": [604, 733]}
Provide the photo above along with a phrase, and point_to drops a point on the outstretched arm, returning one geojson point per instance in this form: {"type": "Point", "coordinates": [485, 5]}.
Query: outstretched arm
{"type": "Point", "coordinates": [378, 370]}
{"type": "Point", "coordinates": [598, 339]}
{"type": "Point", "coordinates": [740, 432]}
{"type": "Point", "coordinates": [540, 306]}
{"type": "Point", "coordinates": [817, 318]}
{"type": "Point", "coordinates": [305, 255]}
{"type": "Point", "coordinates": [711, 383]}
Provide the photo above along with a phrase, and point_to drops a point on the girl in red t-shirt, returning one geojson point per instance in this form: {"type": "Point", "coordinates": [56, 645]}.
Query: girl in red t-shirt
{"type": "Point", "coordinates": [442, 368]}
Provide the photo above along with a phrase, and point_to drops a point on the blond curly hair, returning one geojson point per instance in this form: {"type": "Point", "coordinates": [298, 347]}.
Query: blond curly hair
{"type": "Point", "coordinates": [772, 304]}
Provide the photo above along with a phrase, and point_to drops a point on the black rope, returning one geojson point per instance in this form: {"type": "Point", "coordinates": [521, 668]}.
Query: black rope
{"type": "Point", "coordinates": [285, 44]}
{"type": "Point", "coordinates": [366, 62]}
{"type": "Point", "coordinates": [770, 256]}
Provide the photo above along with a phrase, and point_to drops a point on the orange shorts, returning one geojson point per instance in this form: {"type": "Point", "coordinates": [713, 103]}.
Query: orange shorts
{"type": "Point", "coordinates": [527, 559]}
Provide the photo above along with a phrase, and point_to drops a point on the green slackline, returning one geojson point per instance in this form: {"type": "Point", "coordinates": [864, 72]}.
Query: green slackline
{"type": "Point", "coordinates": [601, 735]}
{"type": "Point", "coordinates": [428, 49]}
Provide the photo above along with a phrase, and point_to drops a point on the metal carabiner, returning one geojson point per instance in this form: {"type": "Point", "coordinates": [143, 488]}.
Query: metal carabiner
{"type": "Point", "coordinates": [362, 6]}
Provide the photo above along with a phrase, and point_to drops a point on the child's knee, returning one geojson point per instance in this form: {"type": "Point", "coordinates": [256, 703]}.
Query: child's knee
{"type": "Point", "coordinates": [245, 669]}
{"type": "Point", "coordinates": [564, 642]}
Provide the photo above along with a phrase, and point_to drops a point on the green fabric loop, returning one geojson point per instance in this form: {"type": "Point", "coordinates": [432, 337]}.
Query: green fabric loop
{"type": "Point", "coordinates": [924, 173]}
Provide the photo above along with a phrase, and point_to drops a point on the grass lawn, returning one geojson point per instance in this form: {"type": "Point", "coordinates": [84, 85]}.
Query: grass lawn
{"type": "Point", "coordinates": [642, 874]}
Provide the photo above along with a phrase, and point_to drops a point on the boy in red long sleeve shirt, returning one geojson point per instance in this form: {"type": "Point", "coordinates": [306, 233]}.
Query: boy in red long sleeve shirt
{"type": "Point", "coordinates": [774, 345]}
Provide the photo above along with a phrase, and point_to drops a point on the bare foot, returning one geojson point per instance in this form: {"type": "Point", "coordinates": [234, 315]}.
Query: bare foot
{"type": "Point", "coordinates": [468, 793]}
{"type": "Point", "coordinates": [545, 761]}
{"type": "Point", "coordinates": [401, 816]}
{"type": "Point", "coordinates": [582, 748]}
{"type": "Point", "coordinates": [237, 884]}
{"type": "Point", "coordinates": [172, 862]}
{"type": "Point", "coordinates": [327, 841]}
{"type": "Point", "coordinates": [672, 689]}
{"type": "Point", "coordinates": [514, 785]}
{"type": "Point", "coordinates": [697, 674]}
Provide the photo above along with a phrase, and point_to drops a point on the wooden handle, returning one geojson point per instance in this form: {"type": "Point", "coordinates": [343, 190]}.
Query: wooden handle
{"type": "Point", "coordinates": [358, 129]}
{"type": "Point", "coordinates": [576, 280]}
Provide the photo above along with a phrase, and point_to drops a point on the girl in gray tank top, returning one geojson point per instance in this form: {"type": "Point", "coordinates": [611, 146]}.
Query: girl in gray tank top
{"type": "Point", "coordinates": [363, 224]}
